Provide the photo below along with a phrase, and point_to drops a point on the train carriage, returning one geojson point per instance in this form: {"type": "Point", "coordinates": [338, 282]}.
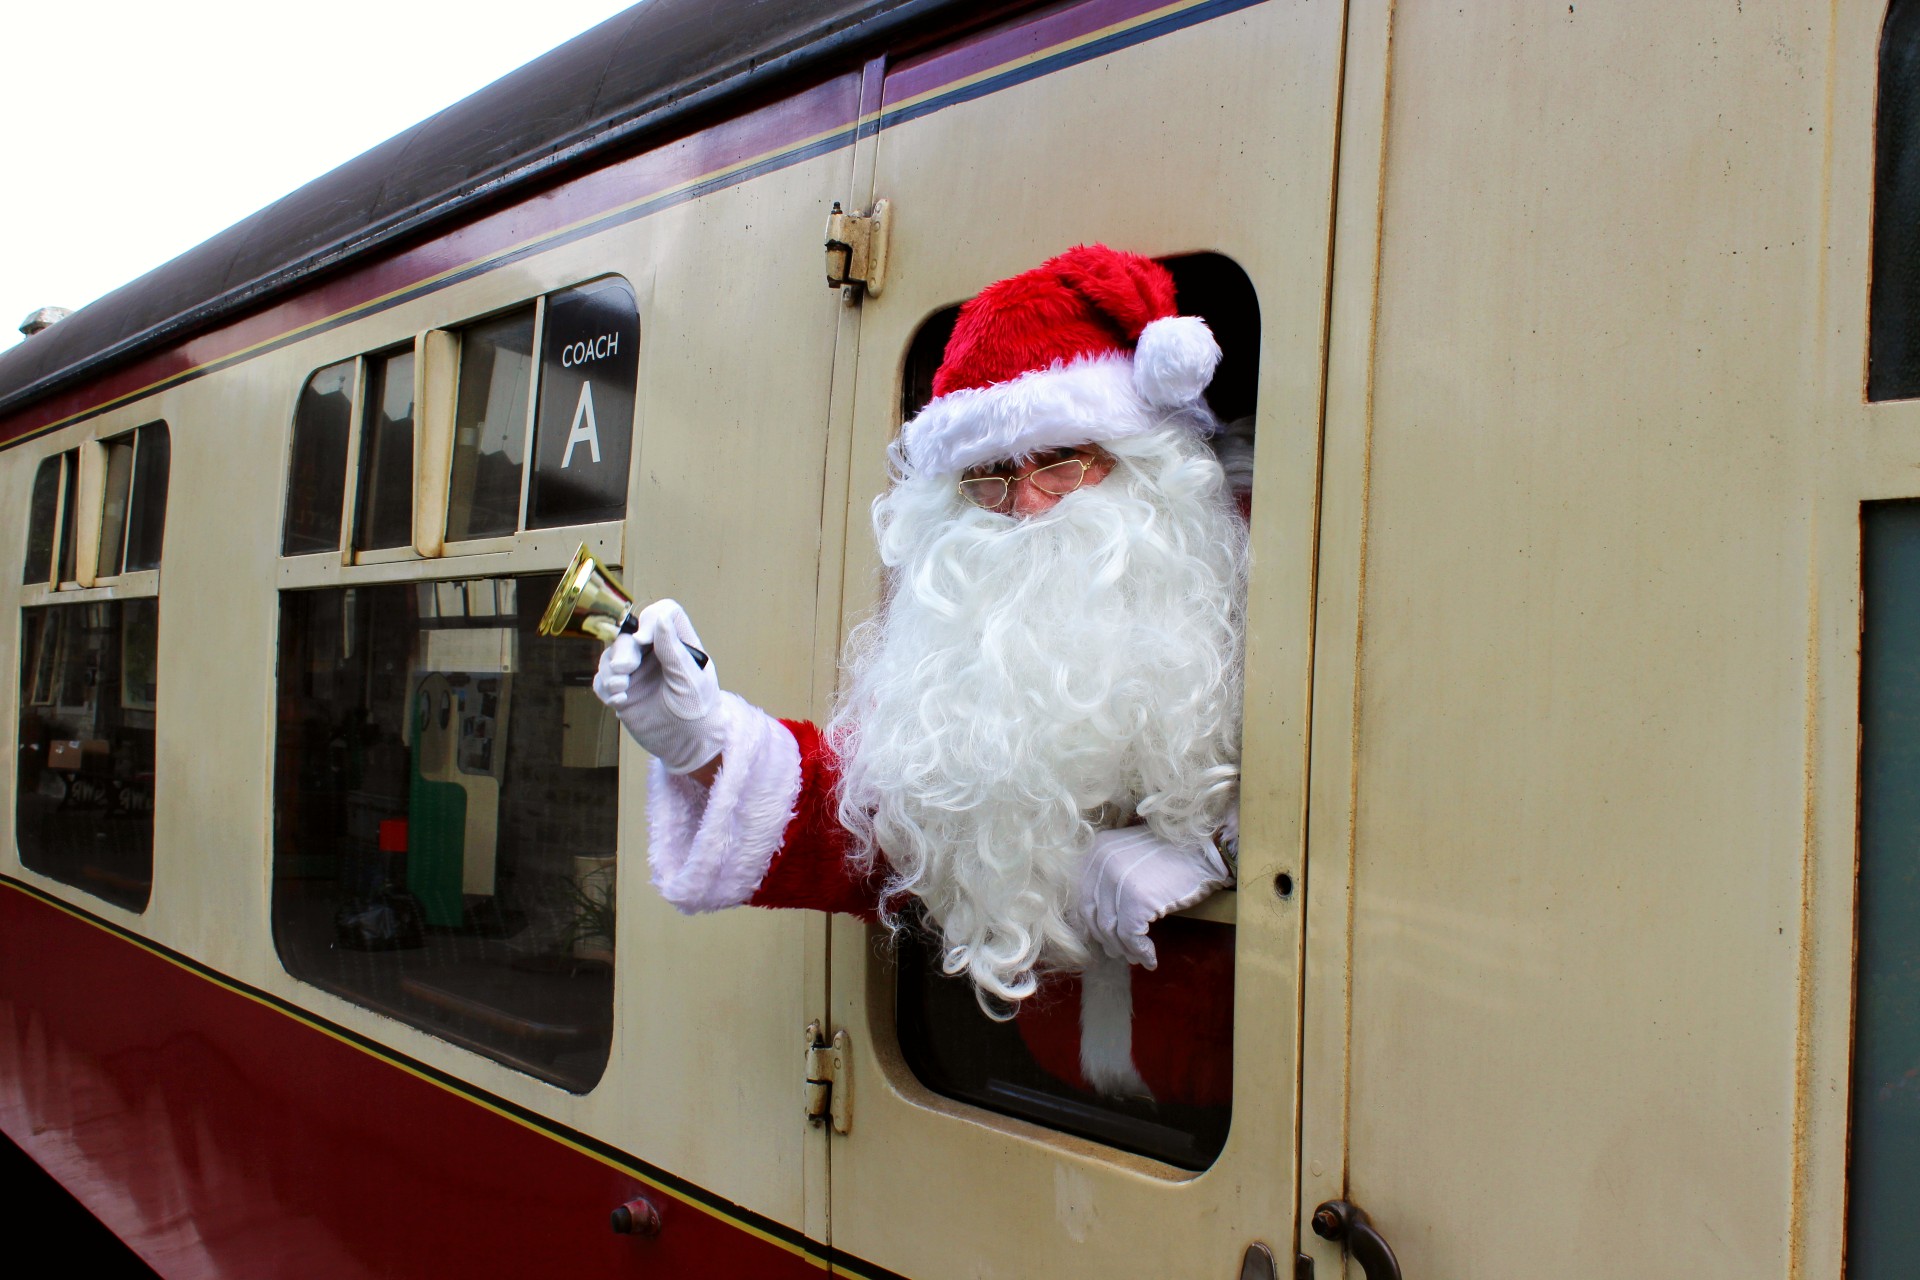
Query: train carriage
{"type": "Point", "coordinates": [1572, 350]}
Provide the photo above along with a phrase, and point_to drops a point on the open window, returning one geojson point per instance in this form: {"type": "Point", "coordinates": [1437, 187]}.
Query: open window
{"type": "Point", "coordinates": [1015, 1067]}
{"type": "Point", "coordinates": [89, 670]}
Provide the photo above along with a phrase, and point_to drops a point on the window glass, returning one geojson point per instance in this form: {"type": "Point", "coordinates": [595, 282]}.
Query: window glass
{"type": "Point", "coordinates": [152, 460]}
{"type": "Point", "coordinates": [89, 690]}
{"type": "Point", "coordinates": [385, 506]}
{"type": "Point", "coordinates": [69, 505]}
{"type": "Point", "coordinates": [1893, 367]}
{"type": "Point", "coordinates": [444, 803]}
{"type": "Point", "coordinates": [1026, 1068]}
{"type": "Point", "coordinates": [1883, 1233]}
{"type": "Point", "coordinates": [317, 471]}
{"type": "Point", "coordinates": [43, 509]}
{"type": "Point", "coordinates": [589, 364]}
{"type": "Point", "coordinates": [113, 512]}
{"type": "Point", "coordinates": [1023, 1067]}
{"type": "Point", "coordinates": [490, 426]}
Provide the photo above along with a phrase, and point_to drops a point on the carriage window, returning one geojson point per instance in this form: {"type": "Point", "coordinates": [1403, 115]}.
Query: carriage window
{"type": "Point", "coordinates": [113, 511]}
{"type": "Point", "coordinates": [134, 504]}
{"type": "Point", "coordinates": [385, 501]}
{"type": "Point", "coordinates": [1883, 1173]}
{"type": "Point", "coordinates": [69, 515]}
{"type": "Point", "coordinates": [444, 805]}
{"type": "Point", "coordinates": [84, 795]}
{"type": "Point", "coordinates": [1027, 1067]}
{"type": "Point", "coordinates": [147, 515]}
{"type": "Point", "coordinates": [317, 474]}
{"type": "Point", "coordinates": [580, 392]}
{"type": "Point", "coordinates": [589, 364]}
{"type": "Point", "coordinates": [89, 682]}
{"type": "Point", "coordinates": [43, 515]}
{"type": "Point", "coordinates": [490, 426]}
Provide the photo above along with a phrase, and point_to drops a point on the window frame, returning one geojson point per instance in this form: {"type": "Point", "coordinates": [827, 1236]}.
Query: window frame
{"type": "Point", "coordinates": [358, 407]}
{"type": "Point", "coordinates": [138, 581]}
{"type": "Point", "coordinates": [507, 541]}
{"type": "Point", "coordinates": [435, 558]}
{"type": "Point", "coordinates": [83, 474]}
{"type": "Point", "coordinates": [889, 967]}
{"type": "Point", "coordinates": [417, 573]}
{"type": "Point", "coordinates": [87, 458]}
{"type": "Point", "coordinates": [438, 352]}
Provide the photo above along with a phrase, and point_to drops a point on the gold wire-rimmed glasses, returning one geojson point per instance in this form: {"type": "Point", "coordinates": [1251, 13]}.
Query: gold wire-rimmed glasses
{"type": "Point", "coordinates": [994, 492]}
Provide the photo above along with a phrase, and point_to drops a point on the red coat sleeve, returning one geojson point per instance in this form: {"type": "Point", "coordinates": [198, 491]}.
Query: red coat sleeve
{"type": "Point", "coordinates": [811, 869]}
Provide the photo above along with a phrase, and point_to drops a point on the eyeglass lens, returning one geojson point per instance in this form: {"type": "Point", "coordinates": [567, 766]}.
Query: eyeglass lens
{"type": "Point", "coordinates": [1061, 478]}
{"type": "Point", "coordinates": [990, 492]}
{"type": "Point", "coordinates": [1056, 480]}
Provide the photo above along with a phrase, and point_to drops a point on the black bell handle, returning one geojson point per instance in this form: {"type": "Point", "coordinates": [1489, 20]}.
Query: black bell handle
{"type": "Point", "coordinates": [699, 659]}
{"type": "Point", "coordinates": [631, 623]}
{"type": "Point", "coordinates": [1346, 1223]}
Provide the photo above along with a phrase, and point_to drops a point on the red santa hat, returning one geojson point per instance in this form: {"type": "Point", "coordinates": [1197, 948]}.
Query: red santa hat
{"type": "Point", "coordinates": [1084, 348]}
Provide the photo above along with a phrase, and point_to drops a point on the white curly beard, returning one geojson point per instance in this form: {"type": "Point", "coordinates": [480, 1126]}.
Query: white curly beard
{"type": "Point", "coordinates": [1031, 681]}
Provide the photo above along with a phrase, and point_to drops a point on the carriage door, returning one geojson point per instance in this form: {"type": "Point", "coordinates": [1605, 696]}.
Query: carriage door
{"type": "Point", "coordinates": [1201, 134]}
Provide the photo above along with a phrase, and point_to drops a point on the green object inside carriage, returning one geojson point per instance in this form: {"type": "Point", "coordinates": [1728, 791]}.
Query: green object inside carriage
{"type": "Point", "coordinates": [444, 802]}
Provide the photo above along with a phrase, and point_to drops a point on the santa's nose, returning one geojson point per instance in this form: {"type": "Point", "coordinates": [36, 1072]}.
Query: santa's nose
{"type": "Point", "coordinates": [1028, 499]}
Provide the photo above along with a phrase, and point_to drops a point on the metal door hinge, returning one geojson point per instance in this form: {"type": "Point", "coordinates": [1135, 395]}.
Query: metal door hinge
{"type": "Point", "coordinates": [857, 250]}
{"type": "Point", "coordinates": [829, 1078]}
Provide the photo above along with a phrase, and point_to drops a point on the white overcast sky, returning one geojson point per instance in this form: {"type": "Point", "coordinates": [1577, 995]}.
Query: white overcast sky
{"type": "Point", "coordinates": [130, 132]}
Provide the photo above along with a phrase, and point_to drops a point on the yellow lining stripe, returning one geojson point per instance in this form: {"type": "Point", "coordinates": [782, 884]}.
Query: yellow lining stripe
{"type": "Point", "coordinates": [1038, 55]}
{"type": "Point", "coordinates": [207, 974]}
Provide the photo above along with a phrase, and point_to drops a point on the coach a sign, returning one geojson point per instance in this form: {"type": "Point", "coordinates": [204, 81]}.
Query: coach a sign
{"type": "Point", "coordinates": [583, 434]}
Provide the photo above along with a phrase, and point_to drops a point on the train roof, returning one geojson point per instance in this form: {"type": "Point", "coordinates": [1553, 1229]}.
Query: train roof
{"type": "Point", "coordinates": [634, 78]}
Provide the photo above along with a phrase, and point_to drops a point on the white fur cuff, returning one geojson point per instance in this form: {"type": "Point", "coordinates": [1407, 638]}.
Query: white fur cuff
{"type": "Point", "coordinates": [1106, 1029]}
{"type": "Point", "coordinates": [710, 849]}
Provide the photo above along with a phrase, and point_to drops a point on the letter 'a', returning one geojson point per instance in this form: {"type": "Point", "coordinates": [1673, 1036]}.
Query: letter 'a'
{"type": "Point", "coordinates": [585, 427]}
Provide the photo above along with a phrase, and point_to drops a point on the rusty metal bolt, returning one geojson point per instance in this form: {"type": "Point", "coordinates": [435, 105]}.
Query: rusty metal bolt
{"type": "Point", "coordinates": [637, 1217]}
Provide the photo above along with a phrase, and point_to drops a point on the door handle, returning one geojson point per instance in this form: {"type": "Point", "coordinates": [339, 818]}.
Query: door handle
{"type": "Point", "coordinates": [1344, 1222]}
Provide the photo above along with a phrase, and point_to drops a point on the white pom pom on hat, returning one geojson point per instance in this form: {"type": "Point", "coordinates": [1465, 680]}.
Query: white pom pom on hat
{"type": "Point", "coordinates": [1174, 361]}
{"type": "Point", "coordinates": [1084, 348]}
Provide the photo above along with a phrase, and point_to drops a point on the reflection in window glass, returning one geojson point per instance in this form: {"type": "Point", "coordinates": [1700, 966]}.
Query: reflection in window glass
{"type": "Point", "coordinates": [490, 427]}
{"type": "Point", "coordinates": [1893, 365]}
{"type": "Point", "coordinates": [385, 507]}
{"type": "Point", "coordinates": [1883, 1232]}
{"type": "Point", "coordinates": [1030, 1069]}
{"type": "Point", "coordinates": [69, 504]}
{"type": "Point", "coordinates": [43, 509]}
{"type": "Point", "coordinates": [85, 790]}
{"type": "Point", "coordinates": [113, 512]}
{"type": "Point", "coordinates": [589, 364]}
{"type": "Point", "coordinates": [444, 805]}
{"type": "Point", "coordinates": [317, 471]}
{"type": "Point", "coordinates": [151, 462]}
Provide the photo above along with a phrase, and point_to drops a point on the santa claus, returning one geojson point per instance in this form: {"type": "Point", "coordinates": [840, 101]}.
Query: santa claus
{"type": "Point", "coordinates": [1038, 733]}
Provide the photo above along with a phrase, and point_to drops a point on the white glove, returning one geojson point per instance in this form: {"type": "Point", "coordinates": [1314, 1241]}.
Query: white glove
{"type": "Point", "coordinates": [669, 703]}
{"type": "Point", "coordinates": [1132, 878]}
